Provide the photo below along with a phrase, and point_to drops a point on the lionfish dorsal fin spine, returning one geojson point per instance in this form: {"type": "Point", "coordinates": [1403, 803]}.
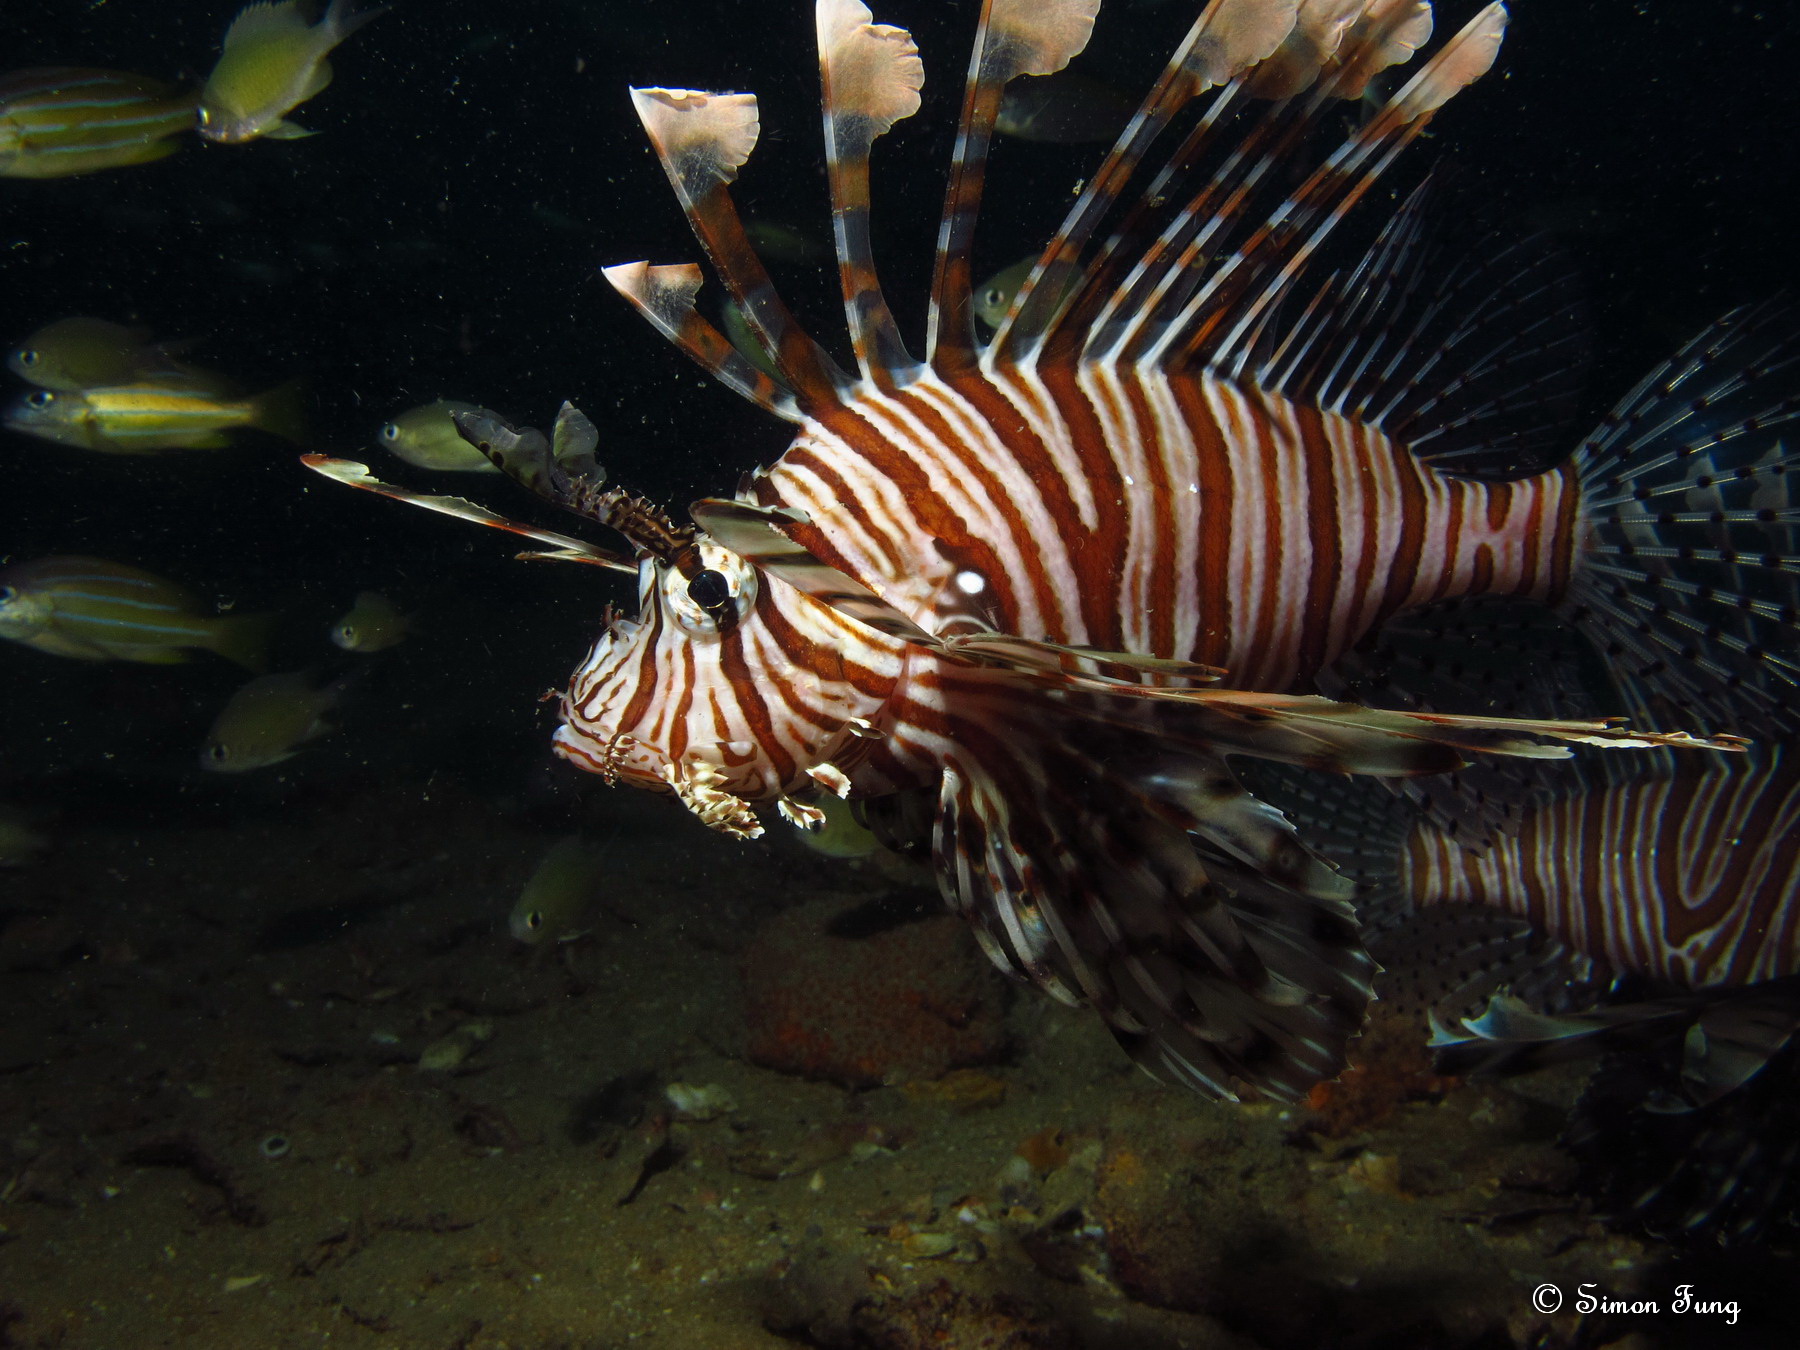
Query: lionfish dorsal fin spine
{"type": "Point", "coordinates": [665, 296]}
{"type": "Point", "coordinates": [871, 76]}
{"type": "Point", "coordinates": [1015, 37]}
{"type": "Point", "coordinates": [703, 140]}
{"type": "Point", "coordinates": [1215, 322]}
{"type": "Point", "coordinates": [1334, 48]}
{"type": "Point", "coordinates": [1228, 38]}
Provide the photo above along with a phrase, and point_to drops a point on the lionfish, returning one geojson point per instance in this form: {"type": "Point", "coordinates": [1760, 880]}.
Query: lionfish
{"type": "Point", "coordinates": [1060, 578]}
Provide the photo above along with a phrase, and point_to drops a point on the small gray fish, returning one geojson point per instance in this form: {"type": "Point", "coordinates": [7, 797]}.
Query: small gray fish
{"type": "Point", "coordinates": [556, 900]}
{"type": "Point", "coordinates": [267, 721]}
{"type": "Point", "coordinates": [373, 624]}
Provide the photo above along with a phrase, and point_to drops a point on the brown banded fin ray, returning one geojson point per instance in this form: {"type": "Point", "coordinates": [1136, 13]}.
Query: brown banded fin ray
{"type": "Point", "coordinates": [562, 547]}
{"type": "Point", "coordinates": [665, 296]}
{"type": "Point", "coordinates": [703, 140]}
{"type": "Point", "coordinates": [1015, 37]}
{"type": "Point", "coordinates": [871, 77]}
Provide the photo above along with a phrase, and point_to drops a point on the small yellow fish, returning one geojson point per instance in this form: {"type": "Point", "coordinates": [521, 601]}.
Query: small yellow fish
{"type": "Point", "coordinates": [842, 835]}
{"type": "Point", "coordinates": [273, 61]}
{"type": "Point", "coordinates": [562, 890]}
{"type": "Point", "coordinates": [995, 295]}
{"type": "Point", "coordinates": [426, 436]}
{"type": "Point", "coordinates": [372, 625]}
{"type": "Point", "coordinates": [175, 410]}
{"type": "Point", "coordinates": [95, 610]}
{"type": "Point", "coordinates": [63, 120]}
{"type": "Point", "coordinates": [267, 721]}
{"type": "Point", "coordinates": [1067, 108]}
{"type": "Point", "coordinates": [80, 353]}
{"type": "Point", "coordinates": [19, 842]}
{"type": "Point", "coordinates": [742, 336]}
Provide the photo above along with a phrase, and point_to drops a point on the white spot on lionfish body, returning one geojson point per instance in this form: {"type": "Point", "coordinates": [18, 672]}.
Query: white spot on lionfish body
{"type": "Point", "coordinates": [833, 779]}
{"type": "Point", "coordinates": [971, 583]}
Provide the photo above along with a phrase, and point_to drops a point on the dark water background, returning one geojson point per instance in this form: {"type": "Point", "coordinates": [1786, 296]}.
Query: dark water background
{"type": "Point", "coordinates": [476, 164]}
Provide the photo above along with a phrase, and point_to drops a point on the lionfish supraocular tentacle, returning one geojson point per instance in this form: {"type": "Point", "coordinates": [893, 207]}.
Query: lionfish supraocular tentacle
{"type": "Point", "coordinates": [1014, 38]}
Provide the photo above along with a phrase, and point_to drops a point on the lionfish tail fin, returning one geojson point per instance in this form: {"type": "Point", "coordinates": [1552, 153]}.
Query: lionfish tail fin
{"type": "Point", "coordinates": [1015, 37]}
{"type": "Point", "coordinates": [1689, 580]}
{"type": "Point", "coordinates": [702, 141]}
{"type": "Point", "coordinates": [1115, 871]}
{"type": "Point", "coordinates": [871, 76]}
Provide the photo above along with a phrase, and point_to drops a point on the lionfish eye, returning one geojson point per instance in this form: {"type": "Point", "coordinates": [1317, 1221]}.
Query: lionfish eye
{"type": "Point", "coordinates": [40, 398]}
{"type": "Point", "coordinates": [709, 589]}
{"type": "Point", "coordinates": [28, 356]}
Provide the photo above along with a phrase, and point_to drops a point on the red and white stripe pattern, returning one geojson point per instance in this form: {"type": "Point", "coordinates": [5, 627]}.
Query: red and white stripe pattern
{"type": "Point", "coordinates": [1691, 878]}
{"type": "Point", "coordinates": [1145, 511]}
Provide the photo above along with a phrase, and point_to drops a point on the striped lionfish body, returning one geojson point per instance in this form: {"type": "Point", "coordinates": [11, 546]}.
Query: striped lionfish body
{"type": "Point", "coordinates": [1688, 878]}
{"type": "Point", "coordinates": [1061, 578]}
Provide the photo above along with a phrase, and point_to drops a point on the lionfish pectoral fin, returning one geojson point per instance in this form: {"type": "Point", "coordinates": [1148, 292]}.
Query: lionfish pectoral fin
{"type": "Point", "coordinates": [1320, 733]}
{"type": "Point", "coordinates": [562, 547]}
{"type": "Point", "coordinates": [1512, 658]}
{"type": "Point", "coordinates": [759, 535]}
{"type": "Point", "coordinates": [1110, 871]}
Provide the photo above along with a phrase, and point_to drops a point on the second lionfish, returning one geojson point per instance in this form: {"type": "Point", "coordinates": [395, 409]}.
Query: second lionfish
{"type": "Point", "coordinates": [1058, 580]}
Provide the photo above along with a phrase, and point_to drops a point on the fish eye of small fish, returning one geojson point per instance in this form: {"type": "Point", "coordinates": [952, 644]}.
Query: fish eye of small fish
{"type": "Point", "coordinates": [390, 431]}
{"type": "Point", "coordinates": [40, 398]}
{"type": "Point", "coordinates": [27, 356]}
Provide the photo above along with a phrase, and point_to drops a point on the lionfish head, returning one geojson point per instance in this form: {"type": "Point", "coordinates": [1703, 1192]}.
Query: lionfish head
{"type": "Point", "coordinates": [724, 688]}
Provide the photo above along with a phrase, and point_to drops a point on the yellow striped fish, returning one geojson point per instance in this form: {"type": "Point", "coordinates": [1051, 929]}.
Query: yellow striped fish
{"type": "Point", "coordinates": [94, 610]}
{"type": "Point", "coordinates": [57, 121]}
{"type": "Point", "coordinates": [171, 412]}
